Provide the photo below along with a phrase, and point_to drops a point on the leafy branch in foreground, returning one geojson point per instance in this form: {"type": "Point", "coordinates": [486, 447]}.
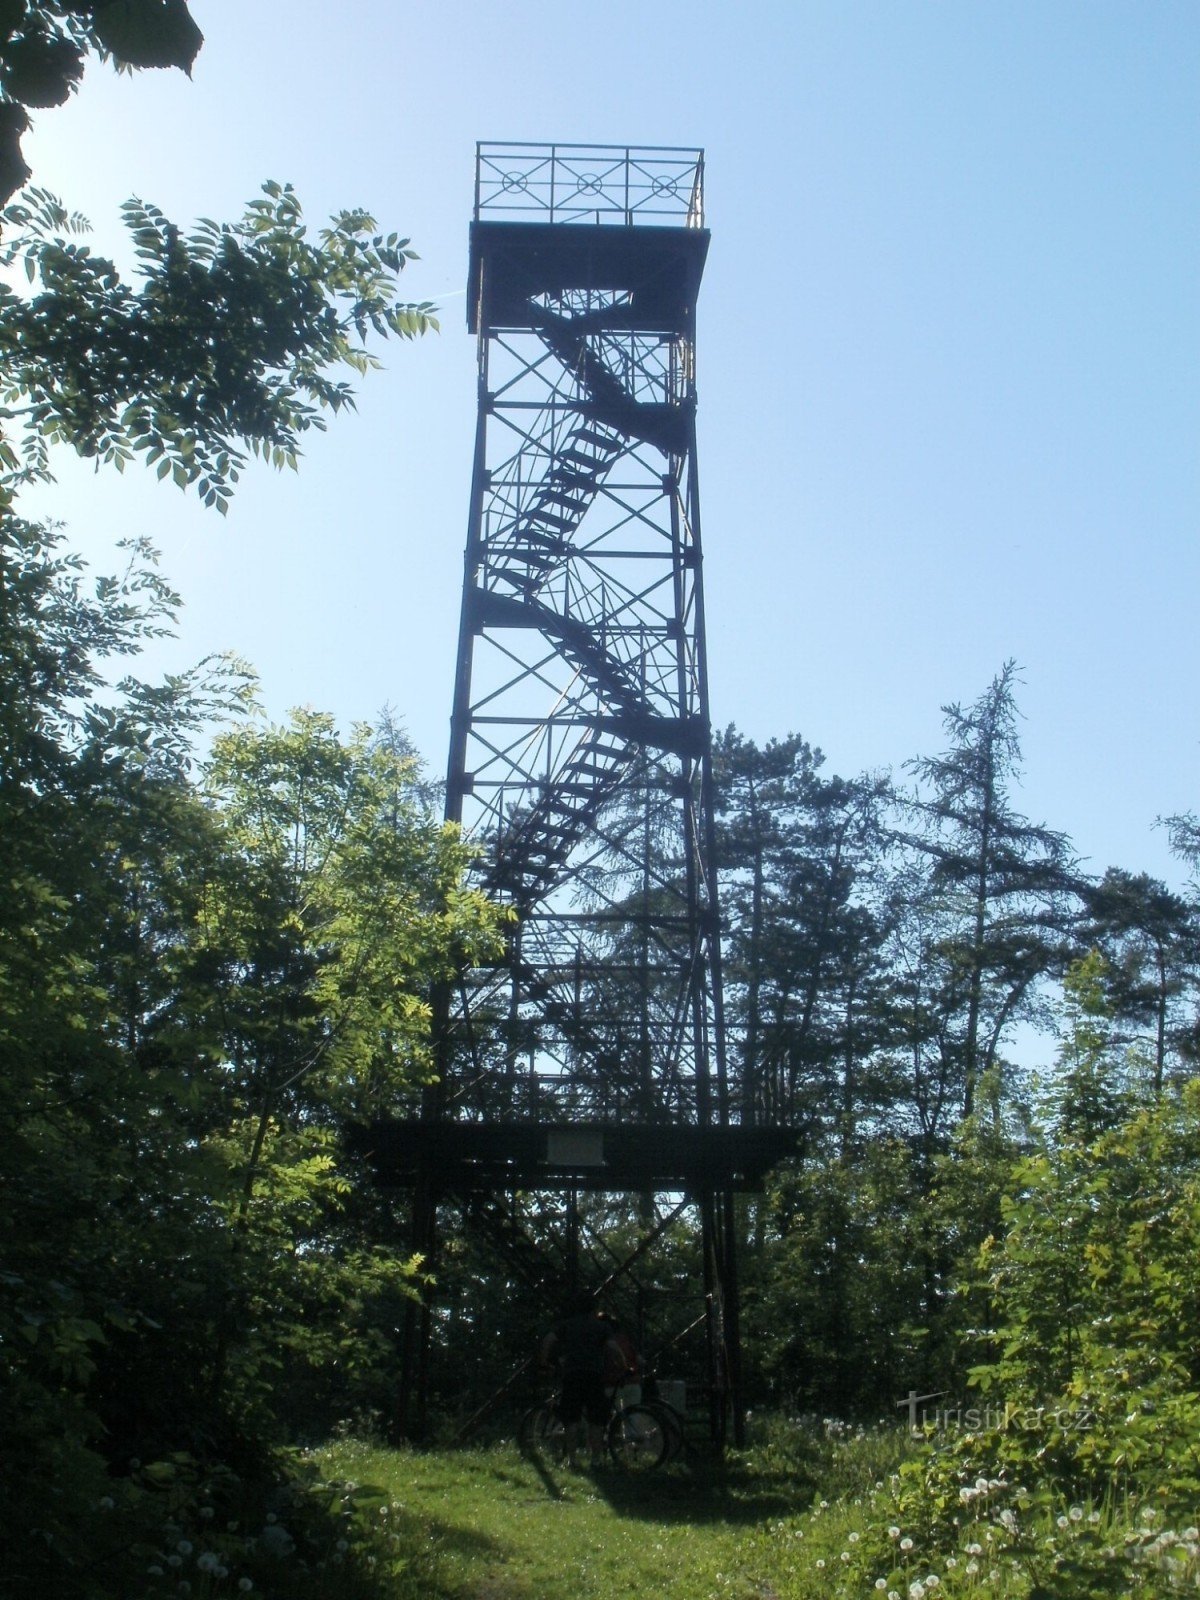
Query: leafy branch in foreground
{"type": "Point", "coordinates": [225, 349]}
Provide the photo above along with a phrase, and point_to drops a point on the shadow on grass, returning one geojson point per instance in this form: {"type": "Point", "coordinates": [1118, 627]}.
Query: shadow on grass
{"type": "Point", "coordinates": [706, 1489]}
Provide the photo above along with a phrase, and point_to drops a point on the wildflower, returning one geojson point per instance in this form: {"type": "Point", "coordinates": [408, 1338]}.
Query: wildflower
{"type": "Point", "coordinates": [184, 1547]}
{"type": "Point", "coordinates": [1093, 1517]}
{"type": "Point", "coordinates": [845, 1556]}
{"type": "Point", "coordinates": [206, 1513]}
{"type": "Point", "coordinates": [277, 1541]}
{"type": "Point", "coordinates": [245, 1585]}
{"type": "Point", "coordinates": [906, 1543]}
{"type": "Point", "coordinates": [1008, 1520]}
{"type": "Point", "coordinates": [951, 1563]}
{"type": "Point", "coordinates": [855, 1537]}
{"type": "Point", "coordinates": [974, 1549]}
{"type": "Point", "coordinates": [932, 1581]}
{"type": "Point", "coordinates": [972, 1567]}
{"type": "Point", "coordinates": [916, 1591]}
{"type": "Point", "coordinates": [881, 1583]}
{"type": "Point", "coordinates": [105, 1502]}
{"type": "Point", "coordinates": [341, 1545]}
{"type": "Point", "coordinates": [1076, 1513]}
{"type": "Point", "coordinates": [207, 1562]}
{"type": "Point", "coordinates": [174, 1561]}
{"type": "Point", "coordinates": [1061, 1522]}
{"type": "Point", "coordinates": [981, 1485]}
{"type": "Point", "coordinates": [271, 1517]}
{"type": "Point", "coordinates": [155, 1571]}
{"type": "Point", "coordinates": [893, 1533]}
{"type": "Point", "coordinates": [820, 1566]}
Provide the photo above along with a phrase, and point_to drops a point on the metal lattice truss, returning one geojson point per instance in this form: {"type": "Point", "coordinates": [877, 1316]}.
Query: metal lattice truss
{"type": "Point", "coordinates": [580, 734]}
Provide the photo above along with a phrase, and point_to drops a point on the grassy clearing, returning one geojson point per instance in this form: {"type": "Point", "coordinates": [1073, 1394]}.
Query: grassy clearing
{"type": "Point", "coordinates": [489, 1525]}
{"type": "Point", "coordinates": [800, 1516]}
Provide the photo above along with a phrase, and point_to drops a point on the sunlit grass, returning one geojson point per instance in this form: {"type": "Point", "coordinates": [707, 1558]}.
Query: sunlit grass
{"type": "Point", "coordinates": [806, 1513]}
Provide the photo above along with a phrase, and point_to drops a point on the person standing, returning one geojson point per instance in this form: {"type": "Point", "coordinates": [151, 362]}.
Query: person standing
{"type": "Point", "coordinates": [582, 1346]}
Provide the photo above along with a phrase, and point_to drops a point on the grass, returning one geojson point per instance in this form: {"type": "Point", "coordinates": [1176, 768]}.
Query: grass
{"type": "Point", "coordinates": [805, 1514]}
{"type": "Point", "coordinates": [489, 1525]}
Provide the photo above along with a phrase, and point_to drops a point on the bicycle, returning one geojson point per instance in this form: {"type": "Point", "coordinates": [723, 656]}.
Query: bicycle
{"type": "Point", "coordinates": [638, 1437]}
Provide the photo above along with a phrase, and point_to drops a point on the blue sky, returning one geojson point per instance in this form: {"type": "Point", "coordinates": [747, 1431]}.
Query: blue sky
{"type": "Point", "coordinates": [948, 358]}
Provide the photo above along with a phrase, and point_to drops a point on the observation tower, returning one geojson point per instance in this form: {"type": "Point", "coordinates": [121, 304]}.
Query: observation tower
{"type": "Point", "coordinates": [589, 1060]}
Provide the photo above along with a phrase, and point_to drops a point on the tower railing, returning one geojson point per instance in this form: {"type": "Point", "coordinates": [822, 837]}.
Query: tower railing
{"type": "Point", "coordinates": [581, 183]}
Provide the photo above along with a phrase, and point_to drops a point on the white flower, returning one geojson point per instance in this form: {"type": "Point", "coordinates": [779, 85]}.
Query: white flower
{"type": "Point", "coordinates": [906, 1543]}
{"type": "Point", "coordinates": [932, 1581]}
{"type": "Point", "coordinates": [1062, 1522]}
{"type": "Point", "coordinates": [174, 1561]}
{"type": "Point", "coordinates": [245, 1585]}
{"type": "Point", "coordinates": [184, 1547]}
{"type": "Point", "coordinates": [106, 1502]}
{"type": "Point", "coordinates": [951, 1563]}
{"type": "Point", "coordinates": [207, 1562]}
{"type": "Point", "coordinates": [893, 1533]}
{"type": "Point", "coordinates": [916, 1591]}
{"type": "Point", "coordinates": [820, 1566]}
{"type": "Point", "coordinates": [972, 1567]}
{"type": "Point", "coordinates": [1076, 1513]}
{"type": "Point", "coordinates": [155, 1572]}
{"type": "Point", "coordinates": [974, 1549]}
{"type": "Point", "coordinates": [1008, 1520]}
{"type": "Point", "coordinates": [855, 1537]}
{"type": "Point", "coordinates": [277, 1541]}
{"type": "Point", "coordinates": [206, 1512]}
{"type": "Point", "coordinates": [881, 1583]}
{"type": "Point", "coordinates": [845, 1556]}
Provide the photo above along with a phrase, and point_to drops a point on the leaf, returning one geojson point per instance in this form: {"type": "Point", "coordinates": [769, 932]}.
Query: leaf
{"type": "Point", "coordinates": [149, 33]}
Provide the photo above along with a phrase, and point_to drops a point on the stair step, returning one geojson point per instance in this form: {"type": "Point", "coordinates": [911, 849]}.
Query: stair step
{"type": "Point", "coordinates": [552, 518]}
{"type": "Point", "coordinates": [603, 441]}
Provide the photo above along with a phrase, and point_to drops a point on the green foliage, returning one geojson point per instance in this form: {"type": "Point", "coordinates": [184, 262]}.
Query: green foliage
{"type": "Point", "coordinates": [836, 1298]}
{"type": "Point", "coordinates": [226, 348]}
{"type": "Point", "coordinates": [44, 45]}
{"type": "Point", "coordinates": [200, 985]}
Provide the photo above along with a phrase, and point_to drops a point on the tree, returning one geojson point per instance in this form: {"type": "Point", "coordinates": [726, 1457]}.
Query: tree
{"type": "Point", "coordinates": [997, 892]}
{"type": "Point", "coordinates": [1149, 938]}
{"type": "Point", "coordinates": [199, 989]}
{"type": "Point", "coordinates": [798, 859]}
{"type": "Point", "coordinates": [44, 46]}
{"type": "Point", "coordinates": [226, 347]}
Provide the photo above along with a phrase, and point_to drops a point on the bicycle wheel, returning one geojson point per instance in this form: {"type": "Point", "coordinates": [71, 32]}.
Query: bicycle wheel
{"type": "Point", "coordinates": [637, 1439]}
{"type": "Point", "coordinates": [542, 1435]}
{"type": "Point", "coordinates": [672, 1425]}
